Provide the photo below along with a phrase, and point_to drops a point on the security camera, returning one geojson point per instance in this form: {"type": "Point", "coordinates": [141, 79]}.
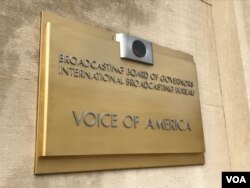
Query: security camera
{"type": "Point", "coordinates": [134, 48]}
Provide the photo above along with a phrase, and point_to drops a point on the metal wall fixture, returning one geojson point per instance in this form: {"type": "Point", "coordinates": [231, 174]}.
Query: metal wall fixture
{"type": "Point", "coordinates": [134, 48]}
{"type": "Point", "coordinates": [115, 114]}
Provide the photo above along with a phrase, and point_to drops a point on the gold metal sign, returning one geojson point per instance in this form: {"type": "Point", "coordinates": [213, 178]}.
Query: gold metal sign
{"type": "Point", "coordinates": [97, 111]}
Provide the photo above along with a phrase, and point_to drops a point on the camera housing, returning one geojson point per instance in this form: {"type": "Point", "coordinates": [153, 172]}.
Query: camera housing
{"type": "Point", "coordinates": [134, 48]}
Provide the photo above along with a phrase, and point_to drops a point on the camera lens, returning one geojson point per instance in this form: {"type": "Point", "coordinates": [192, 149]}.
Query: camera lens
{"type": "Point", "coordinates": [139, 48]}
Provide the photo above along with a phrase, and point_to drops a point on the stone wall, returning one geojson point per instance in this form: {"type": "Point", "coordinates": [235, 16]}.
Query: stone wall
{"type": "Point", "coordinates": [233, 82]}
{"type": "Point", "coordinates": [191, 26]}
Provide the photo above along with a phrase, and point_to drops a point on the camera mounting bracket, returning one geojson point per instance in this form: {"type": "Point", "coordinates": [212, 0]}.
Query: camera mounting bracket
{"type": "Point", "coordinates": [134, 48]}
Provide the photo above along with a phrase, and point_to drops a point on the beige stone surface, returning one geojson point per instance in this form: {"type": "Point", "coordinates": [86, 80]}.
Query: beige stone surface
{"type": "Point", "coordinates": [184, 25]}
{"type": "Point", "coordinates": [243, 25]}
{"type": "Point", "coordinates": [233, 84]}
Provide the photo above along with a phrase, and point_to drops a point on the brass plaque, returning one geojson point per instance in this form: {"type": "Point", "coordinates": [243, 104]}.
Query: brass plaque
{"type": "Point", "coordinates": [97, 111]}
